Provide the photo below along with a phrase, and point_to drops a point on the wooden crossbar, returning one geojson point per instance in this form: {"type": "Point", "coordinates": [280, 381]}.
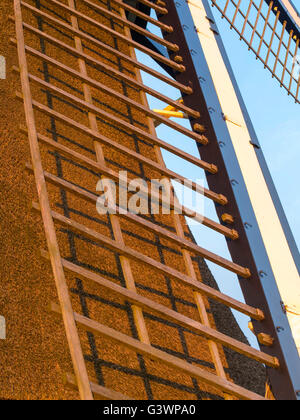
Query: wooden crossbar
{"type": "Point", "coordinates": [224, 230]}
{"type": "Point", "coordinates": [222, 262]}
{"type": "Point", "coordinates": [111, 70]}
{"type": "Point", "coordinates": [58, 272]}
{"type": "Point", "coordinates": [98, 111]}
{"type": "Point", "coordinates": [152, 352]}
{"type": "Point", "coordinates": [116, 34]}
{"type": "Point", "coordinates": [186, 89]}
{"type": "Point", "coordinates": [91, 133]}
{"type": "Point", "coordinates": [169, 314]}
{"type": "Point", "coordinates": [159, 267]}
{"type": "Point", "coordinates": [118, 18]}
{"type": "Point", "coordinates": [157, 8]}
{"type": "Point", "coordinates": [99, 392]}
{"type": "Point", "coordinates": [116, 243]}
{"type": "Point", "coordinates": [100, 86]}
{"type": "Point", "coordinates": [142, 15]}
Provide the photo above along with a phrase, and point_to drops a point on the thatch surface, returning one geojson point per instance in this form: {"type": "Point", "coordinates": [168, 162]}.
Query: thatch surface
{"type": "Point", "coordinates": [35, 354]}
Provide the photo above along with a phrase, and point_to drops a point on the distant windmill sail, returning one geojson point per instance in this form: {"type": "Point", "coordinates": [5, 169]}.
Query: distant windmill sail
{"type": "Point", "coordinates": [271, 30]}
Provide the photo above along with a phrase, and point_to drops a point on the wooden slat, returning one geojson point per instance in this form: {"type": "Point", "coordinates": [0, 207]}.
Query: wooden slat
{"type": "Point", "coordinates": [186, 89]}
{"type": "Point", "coordinates": [256, 22]}
{"type": "Point", "coordinates": [246, 17]}
{"type": "Point", "coordinates": [138, 317]}
{"type": "Point", "coordinates": [294, 63]}
{"type": "Point", "coordinates": [148, 162]}
{"type": "Point", "coordinates": [161, 268]}
{"type": "Point", "coordinates": [118, 245]}
{"type": "Point", "coordinates": [268, 43]}
{"type": "Point", "coordinates": [116, 34]}
{"type": "Point", "coordinates": [61, 286]}
{"type": "Point", "coordinates": [167, 204]}
{"type": "Point", "coordinates": [132, 26]}
{"type": "Point", "coordinates": [169, 314]}
{"type": "Point", "coordinates": [110, 117]}
{"type": "Point", "coordinates": [100, 86]}
{"type": "Point", "coordinates": [231, 233]}
{"type": "Point", "coordinates": [153, 353]}
{"type": "Point", "coordinates": [161, 10]}
{"type": "Point", "coordinates": [287, 55]}
{"type": "Point", "coordinates": [265, 27]}
{"type": "Point", "coordinates": [259, 35]}
{"type": "Point", "coordinates": [279, 46]}
{"type": "Point", "coordinates": [87, 131]}
{"type": "Point", "coordinates": [190, 270]}
{"type": "Point", "coordinates": [272, 39]}
{"type": "Point", "coordinates": [218, 198]}
{"type": "Point", "coordinates": [140, 14]}
{"type": "Point", "coordinates": [99, 392]}
{"type": "Point", "coordinates": [222, 262]}
{"type": "Point", "coordinates": [111, 70]}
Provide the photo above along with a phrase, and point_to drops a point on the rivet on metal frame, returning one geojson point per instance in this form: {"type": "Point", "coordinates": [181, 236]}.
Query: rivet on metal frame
{"type": "Point", "coordinates": [247, 225]}
{"type": "Point", "coordinates": [262, 273]}
{"type": "Point", "coordinates": [279, 329]}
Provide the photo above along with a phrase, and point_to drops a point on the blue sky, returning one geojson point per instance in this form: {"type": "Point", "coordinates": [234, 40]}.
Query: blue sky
{"type": "Point", "coordinates": [275, 117]}
{"type": "Point", "coordinates": [276, 120]}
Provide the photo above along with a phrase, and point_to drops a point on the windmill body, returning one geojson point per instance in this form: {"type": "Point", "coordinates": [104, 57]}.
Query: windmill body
{"type": "Point", "coordinates": [271, 241]}
{"type": "Point", "coordinates": [102, 295]}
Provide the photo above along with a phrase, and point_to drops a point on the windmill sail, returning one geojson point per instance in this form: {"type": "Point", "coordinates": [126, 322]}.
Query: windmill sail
{"type": "Point", "coordinates": [271, 30]}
